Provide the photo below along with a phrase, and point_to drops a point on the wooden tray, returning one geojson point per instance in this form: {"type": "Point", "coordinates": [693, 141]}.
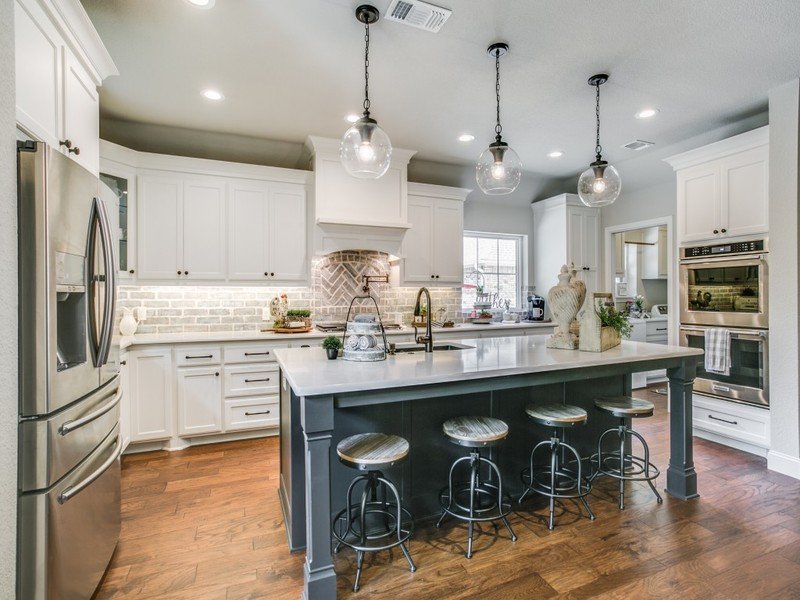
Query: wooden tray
{"type": "Point", "coordinates": [287, 330]}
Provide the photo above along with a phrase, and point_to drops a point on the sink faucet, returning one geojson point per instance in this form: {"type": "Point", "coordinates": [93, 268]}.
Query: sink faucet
{"type": "Point", "coordinates": [426, 339]}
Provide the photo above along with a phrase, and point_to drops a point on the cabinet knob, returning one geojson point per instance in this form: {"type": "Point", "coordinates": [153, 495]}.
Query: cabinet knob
{"type": "Point", "coordinates": [123, 362]}
{"type": "Point", "coordinates": [266, 274]}
{"type": "Point", "coordinates": [186, 272]}
{"type": "Point", "coordinates": [723, 230]}
{"type": "Point", "coordinates": [131, 271]}
{"type": "Point", "coordinates": [76, 151]}
{"type": "Point", "coordinates": [272, 274]}
{"type": "Point", "coordinates": [716, 231]}
{"type": "Point", "coordinates": [66, 143]}
{"type": "Point", "coordinates": [437, 277]}
{"type": "Point", "coordinates": [433, 276]}
{"type": "Point", "coordinates": [179, 272]}
{"type": "Point", "coordinates": [216, 374]}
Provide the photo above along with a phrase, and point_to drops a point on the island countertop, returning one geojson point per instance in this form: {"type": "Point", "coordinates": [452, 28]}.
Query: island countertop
{"type": "Point", "coordinates": [310, 373]}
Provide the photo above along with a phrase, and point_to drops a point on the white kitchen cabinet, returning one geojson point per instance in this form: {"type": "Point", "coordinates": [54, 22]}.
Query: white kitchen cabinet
{"type": "Point", "coordinates": [638, 334]}
{"type": "Point", "coordinates": [433, 249]}
{"type": "Point", "coordinates": [151, 393]}
{"type": "Point", "coordinates": [723, 188]}
{"type": "Point", "coordinates": [60, 61]}
{"type": "Point", "coordinates": [125, 403]}
{"type": "Point", "coordinates": [203, 228]}
{"type": "Point", "coordinates": [159, 232]}
{"type": "Point", "coordinates": [663, 253]}
{"type": "Point", "coordinates": [619, 253]}
{"type": "Point", "coordinates": [565, 232]}
{"type": "Point", "coordinates": [267, 231]}
{"type": "Point", "coordinates": [199, 400]}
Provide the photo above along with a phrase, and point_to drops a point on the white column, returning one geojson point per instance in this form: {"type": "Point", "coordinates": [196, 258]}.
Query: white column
{"type": "Point", "coordinates": [784, 288]}
{"type": "Point", "coordinates": [8, 306]}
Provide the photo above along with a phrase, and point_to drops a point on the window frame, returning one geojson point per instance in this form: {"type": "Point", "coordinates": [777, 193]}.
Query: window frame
{"type": "Point", "coordinates": [521, 271]}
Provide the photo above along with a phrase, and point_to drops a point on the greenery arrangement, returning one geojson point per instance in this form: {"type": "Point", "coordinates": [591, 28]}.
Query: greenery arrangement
{"type": "Point", "coordinates": [331, 342]}
{"type": "Point", "coordinates": [485, 314]}
{"type": "Point", "coordinates": [300, 313]}
{"type": "Point", "coordinates": [610, 317]}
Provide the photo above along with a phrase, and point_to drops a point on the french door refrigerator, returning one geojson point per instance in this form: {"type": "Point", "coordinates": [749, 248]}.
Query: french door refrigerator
{"type": "Point", "coordinates": [69, 442]}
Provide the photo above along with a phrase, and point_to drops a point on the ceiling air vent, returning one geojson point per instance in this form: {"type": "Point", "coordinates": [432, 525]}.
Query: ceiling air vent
{"type": "Point", "coordinates": [418, 14]}
{"type": "Point", "coordinates": [638, 145]}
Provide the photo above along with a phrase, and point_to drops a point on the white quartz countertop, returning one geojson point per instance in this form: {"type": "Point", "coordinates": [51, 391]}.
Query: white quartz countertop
{"type": "Point", "coordinates": [310, 373]}
{"type": "Point", "coordinates": [255, 335]}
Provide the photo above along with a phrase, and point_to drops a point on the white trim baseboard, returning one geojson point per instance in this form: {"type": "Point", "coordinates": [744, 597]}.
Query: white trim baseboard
{"type": "Point", "coordinates": [783, 463]}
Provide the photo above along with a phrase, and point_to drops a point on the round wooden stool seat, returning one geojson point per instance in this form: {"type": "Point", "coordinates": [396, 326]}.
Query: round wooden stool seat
{"type": "Point", "coordinates": [372, 450]}
{"type": "Point", "coordinates": [556, 415]}
{"type": "Point", "coordinates": [475, 431]}
{"type": "Point", "coordinates": [625, 406]}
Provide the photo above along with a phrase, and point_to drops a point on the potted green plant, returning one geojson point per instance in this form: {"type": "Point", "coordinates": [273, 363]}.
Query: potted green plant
{"type": "Point", "coordinates": [298, 317]}
{"type": "Point", "coordinates": [604, 327]}
{"type": "Point", "coordinates": [332, 345]}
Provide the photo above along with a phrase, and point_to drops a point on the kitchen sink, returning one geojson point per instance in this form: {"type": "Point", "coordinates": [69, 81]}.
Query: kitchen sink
{"type": "Point", "coordinates": [410, 348]}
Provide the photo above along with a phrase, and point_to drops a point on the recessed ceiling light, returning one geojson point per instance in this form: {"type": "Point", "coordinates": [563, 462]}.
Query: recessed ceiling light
{"type": "Point", "coordinates": [352, 118]}
{"type": "Point", "coordinates": [201, 3]}
{"type": "Point", "coordinates": [555, 154]}
{"type": "Point", "coordinates": [646, 113]}
{"type": "Point", "coordinates": [466, 137]}
{"type": "Point", "coordinates": [212, 95]}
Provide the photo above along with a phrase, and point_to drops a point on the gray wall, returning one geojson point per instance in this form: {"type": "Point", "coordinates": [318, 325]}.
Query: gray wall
{"type": "Point", "coordinates": [784, 183]}
{"type": "Point", "coordinates": [8, 306]}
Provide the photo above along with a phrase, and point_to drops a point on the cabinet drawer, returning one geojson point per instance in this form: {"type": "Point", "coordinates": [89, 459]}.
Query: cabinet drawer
{"type": "Point", "coordinates": [250, 380]}
{"type": "Point", "coordinates": [656, 328]}
{"type": "Point", "coordinates": [251, 413]}
{"type": "Point", "coordinates": [744, 423]}
{"type": "Point", "coordinates": [252, 353]}
{"type": "Point", "coordinates": [197, 356]}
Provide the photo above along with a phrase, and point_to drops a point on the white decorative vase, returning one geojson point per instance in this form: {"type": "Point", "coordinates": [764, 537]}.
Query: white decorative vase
{"type": "Point", "coordinates": [128, 324]}
{"type": "Point", "coordinates": [565, 300]}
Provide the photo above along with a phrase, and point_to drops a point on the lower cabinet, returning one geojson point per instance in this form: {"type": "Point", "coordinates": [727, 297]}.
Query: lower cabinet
{"type": "Point", "coordinates": [737, 425]}
{"type": "Point", "coordinates": [199, 400]}
{"type": "Point", "coordinates": [251, 413]}
{"type": "Point", "coordinates": [151, 394]}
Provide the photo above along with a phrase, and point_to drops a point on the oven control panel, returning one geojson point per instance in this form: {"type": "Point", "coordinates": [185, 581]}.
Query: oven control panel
{"type": "Point", "coordinates": [732, 248]}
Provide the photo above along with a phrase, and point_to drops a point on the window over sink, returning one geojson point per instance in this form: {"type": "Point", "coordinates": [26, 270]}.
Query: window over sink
{"type": "Point", "coordinates": [495, 261]}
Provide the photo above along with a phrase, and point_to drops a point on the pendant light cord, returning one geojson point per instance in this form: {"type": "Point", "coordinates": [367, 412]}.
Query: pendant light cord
{"type": "Point", "coordinates": [366, 69]}
{"type": "Point", "coordinates": [598, 148]}
{"type": "Point", "coordinates": [498, 128]}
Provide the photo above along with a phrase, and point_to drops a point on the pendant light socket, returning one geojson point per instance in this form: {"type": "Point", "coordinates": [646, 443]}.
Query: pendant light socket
{"type": "Point", "coordinates": [367, 14]}
{"type": "Point", "coordinates": [497, 50]}
{"type": "Point", "coordinates": [598, 79]}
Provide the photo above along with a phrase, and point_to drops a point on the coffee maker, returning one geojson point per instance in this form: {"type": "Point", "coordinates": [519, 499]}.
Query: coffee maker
{"type": "Point", "coordinates": [535, 308]}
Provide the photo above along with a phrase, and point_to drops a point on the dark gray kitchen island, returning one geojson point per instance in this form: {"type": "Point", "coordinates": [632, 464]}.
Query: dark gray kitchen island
{"type": "Point", "coordinates": [412, 394]}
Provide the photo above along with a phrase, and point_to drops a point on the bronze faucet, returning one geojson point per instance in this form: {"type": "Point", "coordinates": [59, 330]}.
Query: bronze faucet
{"type": "Point", "coordinates": [426, 339]}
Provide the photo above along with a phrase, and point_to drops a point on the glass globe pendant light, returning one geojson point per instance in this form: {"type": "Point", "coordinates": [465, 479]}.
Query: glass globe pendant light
{"type": "Point", "coordinates": [599, 185]}
{"type": "Point", "coordinates": [365, 151]}
{"type": "Point", "coordinates": [499, 169]}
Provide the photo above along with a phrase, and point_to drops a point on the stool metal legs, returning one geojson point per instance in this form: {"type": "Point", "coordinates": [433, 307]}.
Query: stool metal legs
{"type": "Point", "coordinates": [557, 482]}
{"type": "Point", "coordinates": [473, 508]}
{"type": "Point", "coordinates": [351, 529]}
{"type": "Point", "coordinates": [629, 467]}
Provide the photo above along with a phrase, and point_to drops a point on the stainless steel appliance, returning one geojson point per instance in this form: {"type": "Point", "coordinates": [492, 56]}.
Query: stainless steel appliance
{"type": "Point", "coordinates": [725, 285]}
{"type": "Point", "coordinates": [69, 443]}
{"type": "Point", "coordinates": [748, 381]}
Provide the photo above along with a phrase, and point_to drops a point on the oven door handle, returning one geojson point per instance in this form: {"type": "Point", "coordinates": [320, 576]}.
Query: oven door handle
{"type": "Point", "coordinates": [714, 260]}
{"type": "Point", "coordinates": [740, 333]}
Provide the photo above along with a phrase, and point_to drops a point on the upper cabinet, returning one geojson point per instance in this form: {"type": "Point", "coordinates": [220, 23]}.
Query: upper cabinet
{"type": "Point", "coordinates": [723, 188]}
{"type": "Point", "coordinates": [565, 232]}
{"type": "Point", "coordinates": [433, 248]}
{"type": "Point", "coordinates": [60, 62]}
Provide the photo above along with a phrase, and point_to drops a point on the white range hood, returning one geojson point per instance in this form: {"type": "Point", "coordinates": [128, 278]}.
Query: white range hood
{"type": "Point", "coordinates": [357, 214]}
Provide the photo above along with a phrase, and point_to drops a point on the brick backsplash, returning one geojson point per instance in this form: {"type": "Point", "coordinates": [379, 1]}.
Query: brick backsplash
{"type": "Point", "coordinates": [336, 278]}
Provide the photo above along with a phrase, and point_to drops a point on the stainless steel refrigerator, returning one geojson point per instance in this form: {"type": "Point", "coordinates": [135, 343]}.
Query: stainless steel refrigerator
{"type": "Point", "coordinates": [69, 442]}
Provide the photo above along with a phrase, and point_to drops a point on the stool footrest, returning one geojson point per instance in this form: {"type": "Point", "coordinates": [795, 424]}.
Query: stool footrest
{"type": "Point", "coordinates": [351, 537]}
{"type": "Point", "coordinates": [489, 512]}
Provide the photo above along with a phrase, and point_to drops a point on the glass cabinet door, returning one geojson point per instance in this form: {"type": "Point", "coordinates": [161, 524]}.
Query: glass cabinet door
{"type": "Point", "coordinates": [121, 215]}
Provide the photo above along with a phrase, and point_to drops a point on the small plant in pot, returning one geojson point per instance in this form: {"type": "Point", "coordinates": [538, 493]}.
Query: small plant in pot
{"type": "Point", "coordinates": [332, 345]}
{"type": "Point", "coordinates": [298, 317]}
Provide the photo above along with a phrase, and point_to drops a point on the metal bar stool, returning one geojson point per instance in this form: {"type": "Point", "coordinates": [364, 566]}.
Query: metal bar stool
{"type": "Point", "coordinates": [476, 499]}
{"type": "Point", "coordinates": [619, 464]}
{"type": "Point", "coordinates": [377, 522]}
{"type": "Point", "coordinates": [557, 481]}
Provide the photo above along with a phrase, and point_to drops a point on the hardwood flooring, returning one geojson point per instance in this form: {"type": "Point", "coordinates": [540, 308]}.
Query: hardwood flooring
{"type": "Point", "coordinates": [205, 523]}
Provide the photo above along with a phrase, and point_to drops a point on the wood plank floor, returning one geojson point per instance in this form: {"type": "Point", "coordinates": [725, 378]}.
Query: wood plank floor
{"type": "Point", "coordinates": [205, 523]}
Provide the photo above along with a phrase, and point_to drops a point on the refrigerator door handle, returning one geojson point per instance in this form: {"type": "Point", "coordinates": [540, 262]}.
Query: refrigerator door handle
{"type": "Point", "coordinates": [95, 332]}
{"type": "Point", "coordinates": [76, 489]}
{"type": "Point", "coordinates": [70, 426]}
{"type": "Point", "coordinates": [109, 304]}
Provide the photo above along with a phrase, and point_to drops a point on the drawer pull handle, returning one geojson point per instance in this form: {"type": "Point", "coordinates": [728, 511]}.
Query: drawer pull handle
{"type": "Point", "coordinates": [250, 414]}
{"type": "Point", "coordinates": [255, 380]}
{"type": "Point", "coordinates": [256, 353]}
{"type": "Point", "coordinates": [661, 328]}
{"type": "Point", "coordinates": [203, 356]}
{"type": "Point", "coordinates": [723, 420]}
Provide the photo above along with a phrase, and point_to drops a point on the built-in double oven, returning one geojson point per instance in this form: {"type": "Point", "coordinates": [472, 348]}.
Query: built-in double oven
{"type": "Point", "coordinates": [726, 286]}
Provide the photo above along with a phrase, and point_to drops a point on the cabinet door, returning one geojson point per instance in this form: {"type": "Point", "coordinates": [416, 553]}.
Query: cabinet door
{"type": "Point", "coordinates": [248, 205]}
{"type": "Point", "coordinates": [575, 238]}
{"type": "Point", "coordinates": [590, 247]}
{"type": "Point", "coordinates": [418, 241]}
{"type": "Point", "coordinates": [203, 228]}
{"type": "Point", "coordinates": [698, 202]}
{"type": "Point", "coordinates": [619, 253]}
{"type": "Point", "coordinates": [120, 183]}
{"type": "Point", "coordinates": [159, 239]}
{"type": "Point", "coordinates": [745, 193]}
{"type": "Point", "coordinates": [663, 252]}
{"type": "Point", "coordinates": [448, 241]}
{"type": "Point", "coordinates": [37, 71]}
{"type": "Point", "coordinates": [199, 400]}
{"type": "Point", "coordinates": [81, 116]}
{"type": "Point", "coordinates": [288, 245]}
{"type": "Point", "coordinates": [150, 397]}
{"type": "Point", "coordinates": [125, 402]}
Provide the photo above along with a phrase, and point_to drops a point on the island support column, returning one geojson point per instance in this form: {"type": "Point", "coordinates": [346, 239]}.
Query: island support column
{"type": "Point", "coordinates": [316, 417]}
{"type": "Point", "coordinates": [681, 476]}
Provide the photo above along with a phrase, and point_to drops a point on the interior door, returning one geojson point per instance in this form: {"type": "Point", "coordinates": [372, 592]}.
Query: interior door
{"type": "Point", "coordinates": [288, 247]}
{"type": "Point", "coordinates": [204, 228]}
{"type": "Point", "coordinates": [247, 231]}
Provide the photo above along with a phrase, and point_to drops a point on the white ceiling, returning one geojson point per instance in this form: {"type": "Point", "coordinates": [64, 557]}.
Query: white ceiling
{"type": "Point", "coordinates": [293, 68]}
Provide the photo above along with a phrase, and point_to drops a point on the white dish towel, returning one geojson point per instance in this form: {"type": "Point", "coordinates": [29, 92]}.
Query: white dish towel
{"type": "Point", "coordinates": [718, 351]}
